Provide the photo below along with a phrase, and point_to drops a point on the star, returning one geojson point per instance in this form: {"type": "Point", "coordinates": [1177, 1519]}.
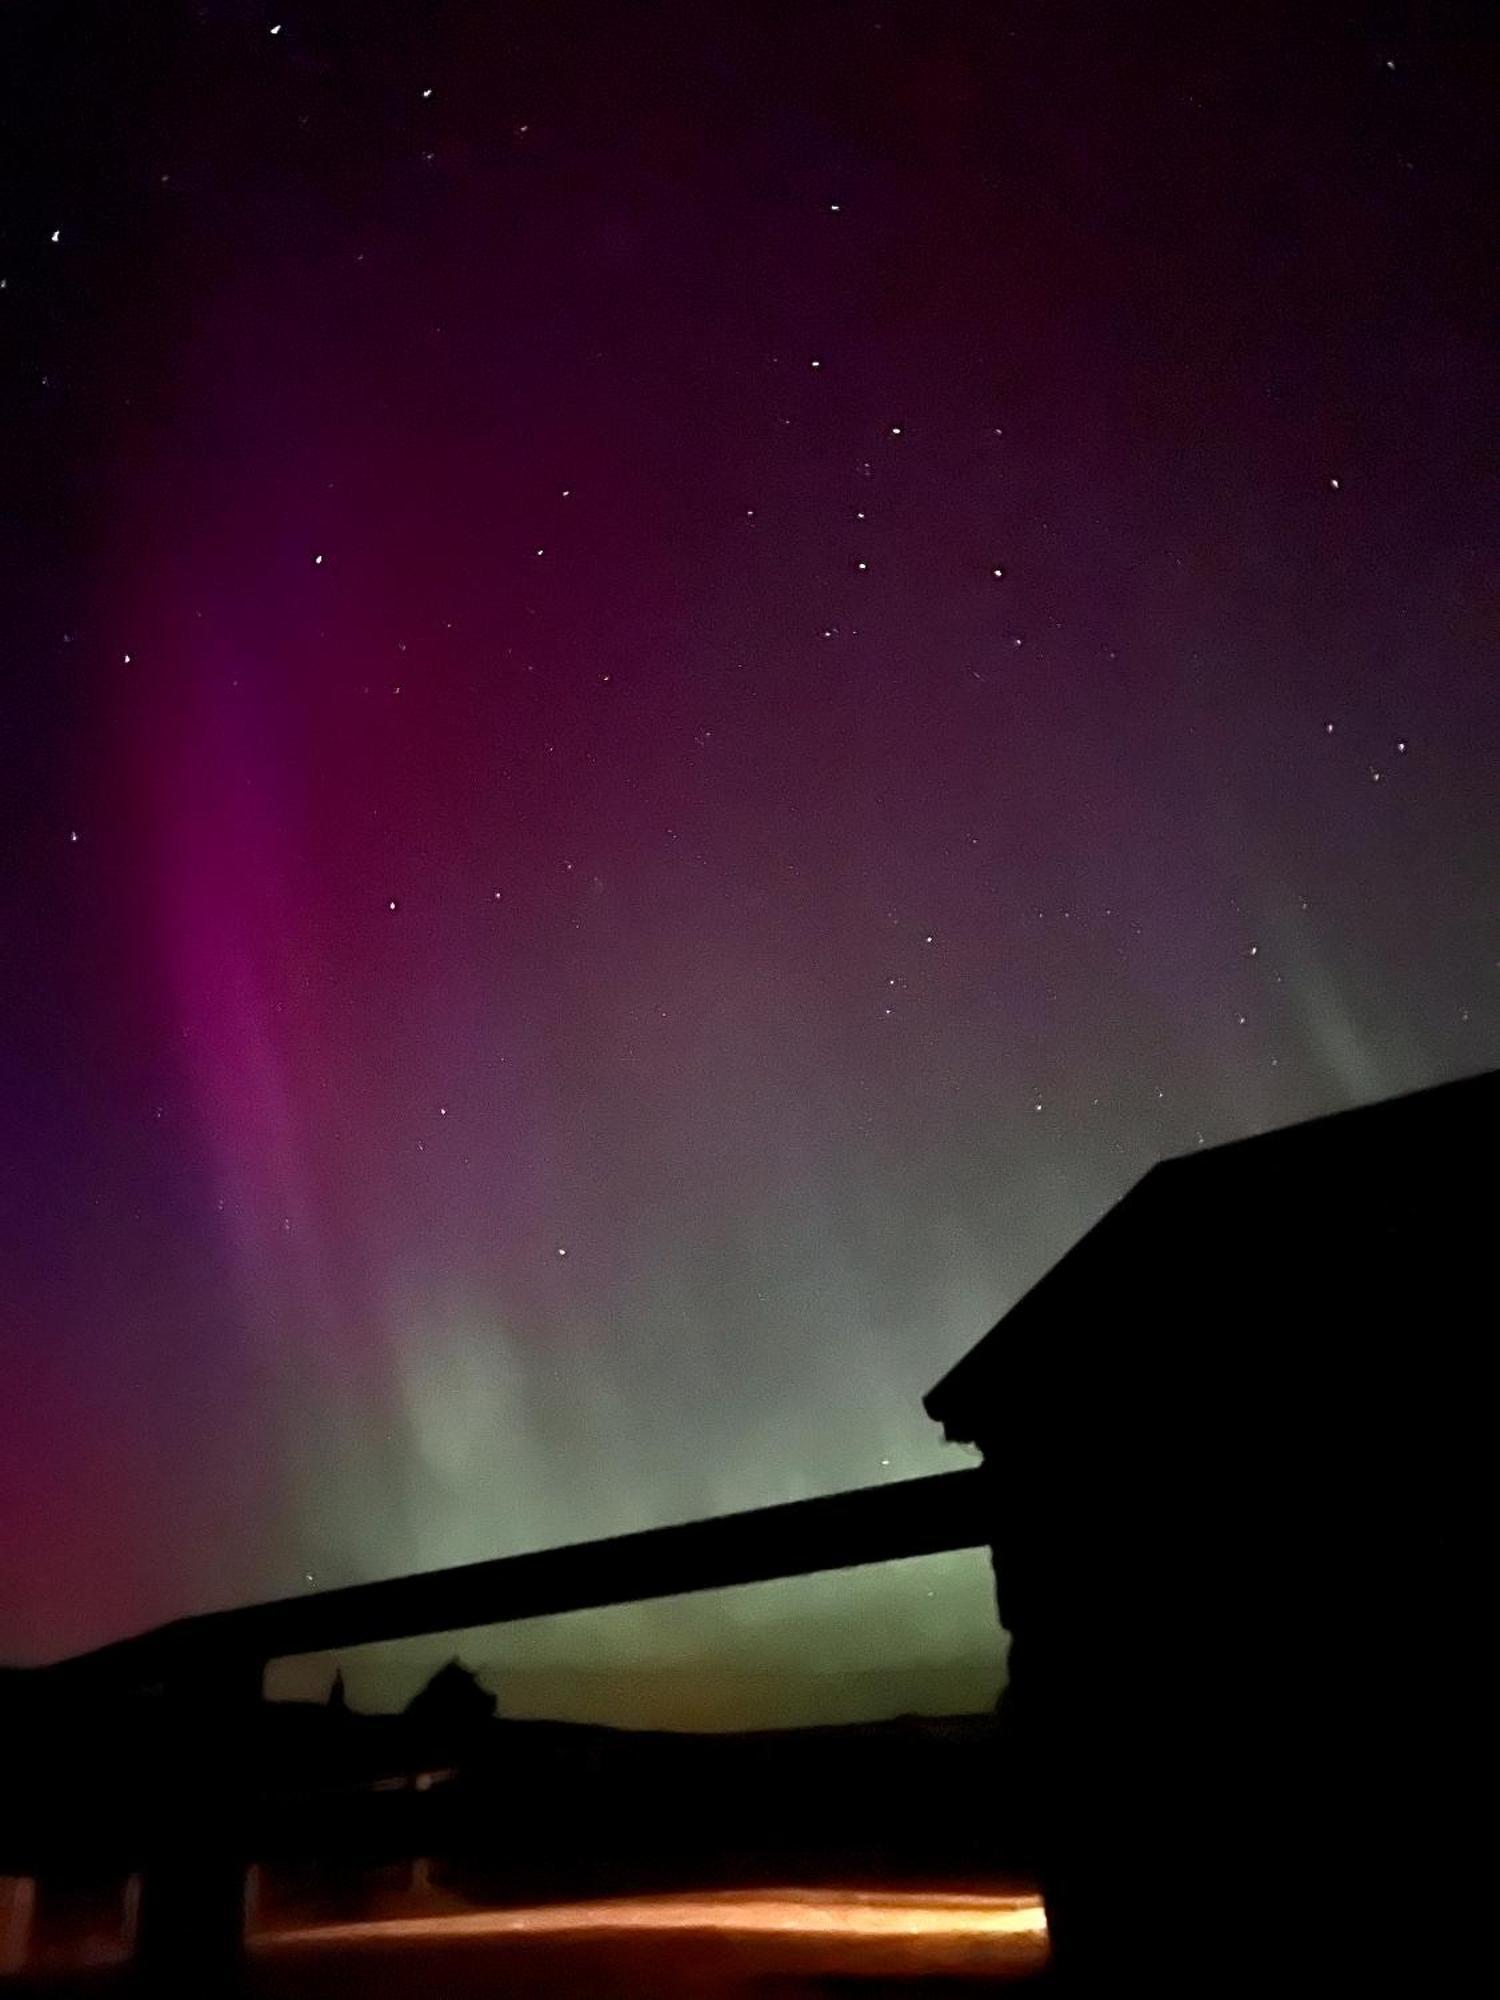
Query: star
{"type": "Point", "coordinates": [57, 236]}
{"type": "Point", "coordinates": [393, 904]}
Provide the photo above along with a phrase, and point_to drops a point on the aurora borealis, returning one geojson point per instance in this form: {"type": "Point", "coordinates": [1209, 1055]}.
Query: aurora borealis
{"type": "Point", "coordinates": [678, 681]}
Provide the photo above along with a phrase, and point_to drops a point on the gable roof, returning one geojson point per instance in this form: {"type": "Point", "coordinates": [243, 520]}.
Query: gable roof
{"type": "Point", "coordinates": [1348, 1191]}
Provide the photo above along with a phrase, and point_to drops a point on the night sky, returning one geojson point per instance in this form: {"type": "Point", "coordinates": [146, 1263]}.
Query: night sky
{"type": "Point", "coordinates": [675, 682]}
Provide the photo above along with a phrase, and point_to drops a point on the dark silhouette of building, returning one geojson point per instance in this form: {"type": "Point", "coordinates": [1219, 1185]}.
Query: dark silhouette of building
{"type": "Point", "coordinates": [451, 1710]}
{"type": "Point", "coordinates": [1237, 1456]}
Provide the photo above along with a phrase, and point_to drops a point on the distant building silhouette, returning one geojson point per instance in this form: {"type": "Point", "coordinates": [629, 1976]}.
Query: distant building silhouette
{"type": "Point", "coordinates": [1238, 1455]}
{"type": "Point", "coordinates": [452, 1708]}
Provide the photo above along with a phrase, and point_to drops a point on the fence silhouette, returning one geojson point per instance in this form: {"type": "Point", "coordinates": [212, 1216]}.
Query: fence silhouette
{"type": "Point", "coordinates": [203, 1677]}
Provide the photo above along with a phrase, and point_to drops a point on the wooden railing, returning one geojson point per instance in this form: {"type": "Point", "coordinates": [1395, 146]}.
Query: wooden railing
{"type": "Point", "coordinates": [204, 1675]}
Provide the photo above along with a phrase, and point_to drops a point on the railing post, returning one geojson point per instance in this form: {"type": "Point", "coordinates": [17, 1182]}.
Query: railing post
{"type": "Point", "coordinates": [130, 1911]}
{"type": "Point", "coordinates": [199, 1831]}
{"type": "Point", "coordinates": [17, 1902]}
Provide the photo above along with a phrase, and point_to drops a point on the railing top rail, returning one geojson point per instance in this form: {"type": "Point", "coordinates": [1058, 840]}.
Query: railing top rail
{"type": "Point", "coordinates": [886, 1523]}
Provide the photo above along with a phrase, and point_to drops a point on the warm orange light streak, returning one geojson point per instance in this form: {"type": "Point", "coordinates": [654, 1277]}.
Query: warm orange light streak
{"type": "Point", "coordinates": [788, 1913]}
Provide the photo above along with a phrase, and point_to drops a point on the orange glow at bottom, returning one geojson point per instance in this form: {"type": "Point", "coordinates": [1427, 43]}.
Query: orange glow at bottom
{"type": "Point", "coordinates": [788, 1913]}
